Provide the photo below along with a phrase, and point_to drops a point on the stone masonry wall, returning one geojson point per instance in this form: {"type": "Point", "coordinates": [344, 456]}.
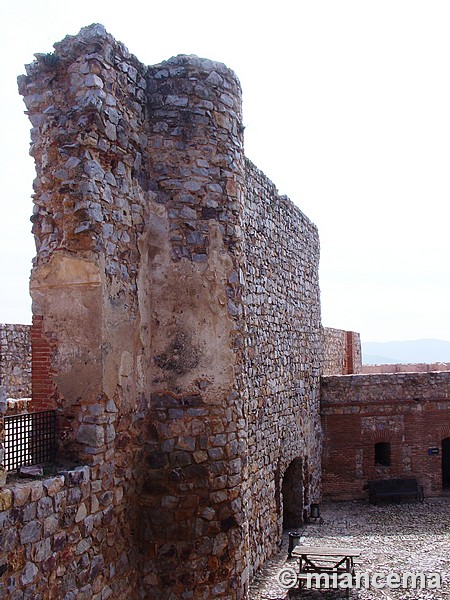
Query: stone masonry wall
{"type": "Point", "coordinates": [406, 368]}
{"type": "Point", "coordinates": [136, 292]}
{"type": "Point", "coordinates": [283, 341]}
{"type": "Point", "coordinates": [87, 104]}
{"type": "Point", "coordinates": [59, 538]}
{"type": "Point", "coordinates": [341, 352]}
{"type": "Point", "coordinates": [15, 360]}
{"type": "Point", "coordinates": [191, 507]}
{"type": "Point", "coordinates": [411, 411]}
{"type": "Point", "coordinates": [179, 349]}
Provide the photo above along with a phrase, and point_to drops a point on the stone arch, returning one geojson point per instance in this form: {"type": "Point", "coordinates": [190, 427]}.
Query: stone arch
{"type": "Point", "coordinates": [444, 431]}
{"type": "Point", "coordinates": [293, 492]}
{"type": "Point", "coordinates": [374, 437]}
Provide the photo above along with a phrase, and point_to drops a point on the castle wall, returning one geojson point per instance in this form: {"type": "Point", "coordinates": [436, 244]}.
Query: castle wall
{"type": "Point", "coordinates": [410, 411]}
{"type": "Point", "coordinates": [137, 302]}
{"type": "Point", "coordinates": [406, 368]}
{"type": "Point", "coordinates": [341, 352]}
{"type": "Point", "coordinates": [60, 537]}
{"type": "Point", "coordinates": [87, 103]}
{"type": "Point", "coordinates": [15, 360]}
{"type": "Point", "coordinates": [176, 333]}
{"type": "Point", "coordinates": [283, 341]}
{"type": "Point", "coordinates": [191, 507]}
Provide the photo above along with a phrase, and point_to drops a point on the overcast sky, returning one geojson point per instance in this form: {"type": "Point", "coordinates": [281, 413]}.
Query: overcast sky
{"type": "Point", "coordinates": [347, 111]}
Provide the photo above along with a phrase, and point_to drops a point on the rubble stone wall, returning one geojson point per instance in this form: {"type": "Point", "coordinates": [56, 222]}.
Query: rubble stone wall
{"type": "Point", "coordinates": [137, 298]}
{"type": "Point", "coordinates": [341, 352]}
{"type": "Point", "coordinates": [180, 352]}
{"type": "Point", "coordinates": [15, 360]}
{"type": "Point", "coordinates": [17, 406]}
{"type": "Point", "coordinates": [87, 104]}
{"type": "Point", "coordinates": [283, 343]}
{"type": "Point", "coordinates": [411, 411]}
{"type": "Point", "coordinates": [190, 299]}
{"type": "Point", "coordinates": [62, 536]}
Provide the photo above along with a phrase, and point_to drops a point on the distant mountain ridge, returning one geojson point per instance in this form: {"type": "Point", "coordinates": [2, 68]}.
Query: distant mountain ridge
{"type": "Point", "coordinates": [413, 351]}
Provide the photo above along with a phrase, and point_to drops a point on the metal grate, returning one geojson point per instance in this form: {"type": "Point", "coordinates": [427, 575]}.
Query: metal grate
{"type": "Point", "coordinates": [30, 439]}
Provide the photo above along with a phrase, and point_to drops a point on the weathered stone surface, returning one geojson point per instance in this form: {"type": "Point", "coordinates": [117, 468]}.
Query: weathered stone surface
{"type": "Point", "coordinates": [81, 513]}
{"type": "Point", "coordinates": [6, 498]}
{"type": "Point", "coordinates": [341, 352]}
{"type": "Point", "coordinates": [53, 485]}
{"type": "Point", "coordinates": [31, 471]}
{"type": "Point", "coordinates": [15, 360]}
{"type": "Point", "coordinates": [93, 435]}
{"type": "Point", "coordinates": [22, 494]}
{"type": "Point", "coordinates": [28, 574]}
{"type": "Point", "coordinates": [160, 291]}
{"type": "Point", "coordinates": [45, 507]}
{"type": "Point", "coordinates": [31, 532]}
{"type": "Point", "coordinates": [283, 354]}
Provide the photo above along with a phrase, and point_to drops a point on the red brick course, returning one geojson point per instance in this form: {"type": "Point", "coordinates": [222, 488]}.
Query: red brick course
{"type": "Point", "coordinates": [43, 388]}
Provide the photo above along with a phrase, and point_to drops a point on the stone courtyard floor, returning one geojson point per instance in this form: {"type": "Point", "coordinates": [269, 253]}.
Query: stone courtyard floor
{"type": "Point", "coordinates": [393, 538]}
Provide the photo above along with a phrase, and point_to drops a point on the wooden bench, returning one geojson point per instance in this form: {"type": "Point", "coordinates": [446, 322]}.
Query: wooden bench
{"type": "Point", "coordinates": [325, 565]}
{"type": "Point", "coordinates": [394, 489]}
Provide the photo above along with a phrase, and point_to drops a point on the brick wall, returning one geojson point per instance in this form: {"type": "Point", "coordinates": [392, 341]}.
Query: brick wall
{"type": "Point", "coordinates": [43, 387]}
{"type": "Point", "coordinates": [411, 411]}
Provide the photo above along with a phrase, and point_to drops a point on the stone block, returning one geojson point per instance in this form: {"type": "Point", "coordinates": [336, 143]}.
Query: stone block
{"type": "Point", "coordinates": [31, 532]}
{"type": "Point", "coordinates": [53, 485]}
{"type": "Point", "coordinates": [91, 435]}
{"type": "Point", "coordinates": [41, 551]}
{"type": "Point", "coordinates": [21, 493]}
{"type": "Point", "coordinates": [29, 573]}
{"type": "Point", "coordinates": [45, 507]}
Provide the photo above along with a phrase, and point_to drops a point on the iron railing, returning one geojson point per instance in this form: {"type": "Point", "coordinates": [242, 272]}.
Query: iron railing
{"type": "Point", "coordinates": [30, 439]}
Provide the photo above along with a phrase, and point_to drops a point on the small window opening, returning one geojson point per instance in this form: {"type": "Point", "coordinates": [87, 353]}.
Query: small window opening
{"type": "Point", "coordinates": [383, 454]}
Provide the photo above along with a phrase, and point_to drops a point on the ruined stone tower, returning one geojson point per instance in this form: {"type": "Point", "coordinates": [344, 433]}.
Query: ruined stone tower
{"type": "Point", "coordinates": [175, 295]}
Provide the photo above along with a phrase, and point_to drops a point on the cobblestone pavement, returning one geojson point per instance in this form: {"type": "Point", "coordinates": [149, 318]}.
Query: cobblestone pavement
{"type": "Point", "coordinates": [393, 538]}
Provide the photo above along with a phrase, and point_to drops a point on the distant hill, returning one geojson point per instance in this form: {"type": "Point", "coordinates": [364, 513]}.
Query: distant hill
{"type": "Point", "coordinates": [414, 351]}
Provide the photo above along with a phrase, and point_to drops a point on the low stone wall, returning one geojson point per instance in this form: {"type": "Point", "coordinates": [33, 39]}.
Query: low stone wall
{"type": "Point", "coordinates": [15, 360]}
{"type": "Point", "coordinates": [62, 537]}
{"type": "Point", "coordinates": [341, 352]}
{"type": "Point", "coordinates": [406, 368]}
{"type": "Point", "coordinates": [17, 406]}
{"type": "Point", "coordinates": [409, 411]}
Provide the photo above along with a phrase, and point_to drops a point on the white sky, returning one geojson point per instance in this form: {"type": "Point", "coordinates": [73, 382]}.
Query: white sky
{"type": "Point", "coordinates": [346, 108]}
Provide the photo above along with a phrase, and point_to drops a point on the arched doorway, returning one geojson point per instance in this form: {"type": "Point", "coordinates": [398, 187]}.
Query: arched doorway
{"type": "Point", "coordinates": [446, 463]}
{"type": "Point", "coordinates": [293, 495]}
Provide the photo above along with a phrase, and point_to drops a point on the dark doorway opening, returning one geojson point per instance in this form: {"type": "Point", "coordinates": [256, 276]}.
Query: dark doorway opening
{"type": "Point", "coordinates": [293, 495]}
{"type": "Point", "coordinates": [446, 463]}
{"type": "Point", "coordinates": [383, 454]}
